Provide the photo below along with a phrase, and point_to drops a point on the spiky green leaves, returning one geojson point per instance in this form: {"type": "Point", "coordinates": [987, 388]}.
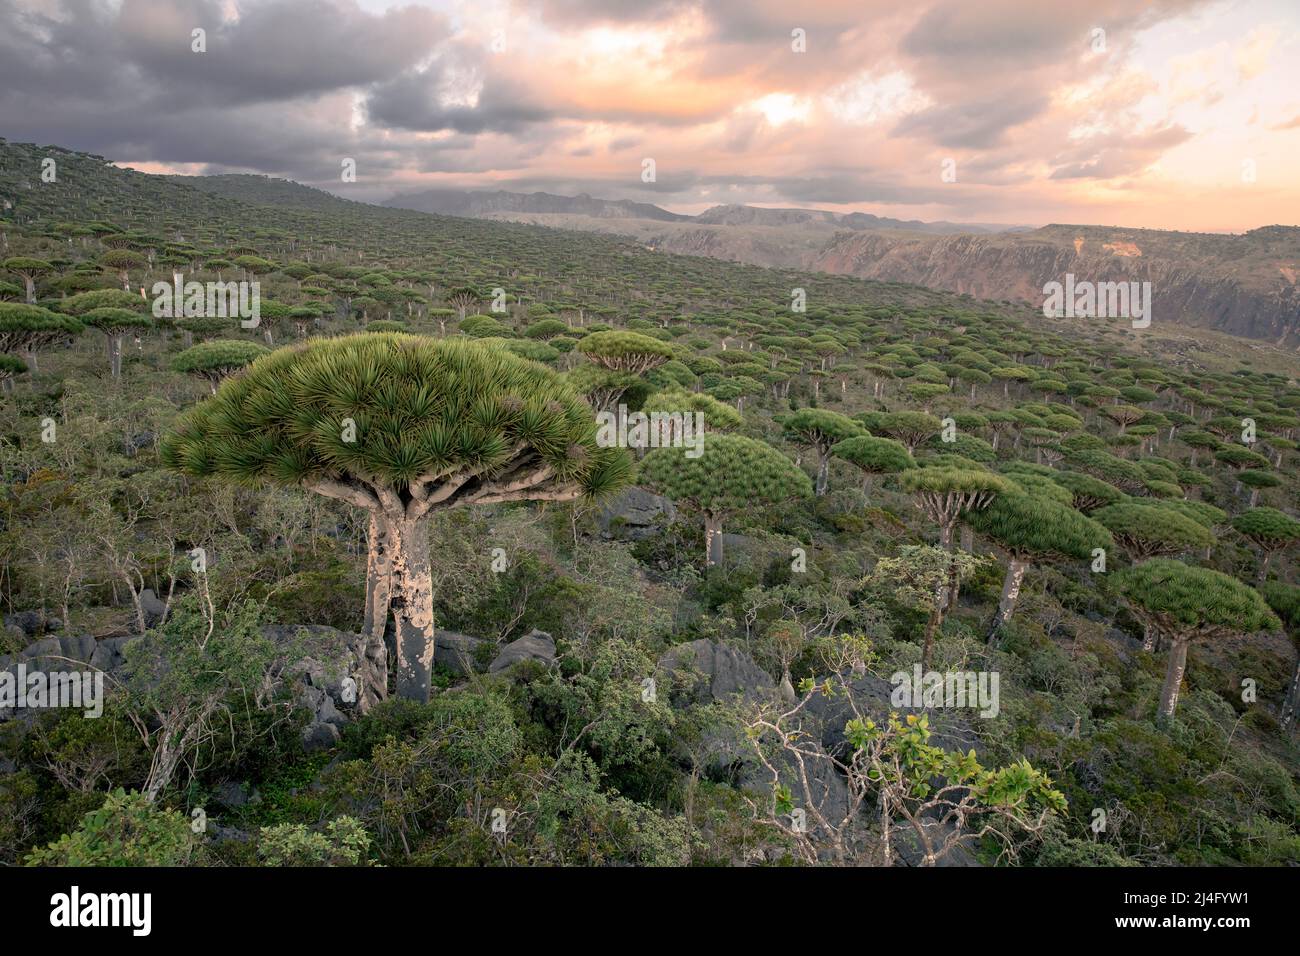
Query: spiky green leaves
{"type": "Point", "coordinates": [1029, 526]}
{"type": "Point", "coordinates": [819, 428]}
{"type": "Point", "coordinates": [875, 456]}
{"type": "Point", "coordinates": [1269, 528]}
{"type": "Point", "coordinates": [112, 321]}
{"type": "Point", "coordinates": [717, 416]}
{"type": "Point", "coordinates": [220, 357]}
{"type": "Point", "coordinates": [625, 351]}
{"type": "Point", "coordinates": [24, 327]}
{"type": "Point", "coordinates": [1187, 602]}
{"type": "Point", "coordinates": [84, 302]}
{"type": "Point", "coordinates": [732, 473]}
{"type": "Point", "coordinates": [1144, 531]}
{"type": "Point", "coordinates": [395, 411]}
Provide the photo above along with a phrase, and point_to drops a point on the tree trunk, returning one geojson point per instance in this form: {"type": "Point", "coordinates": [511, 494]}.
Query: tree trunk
{"type": "Point", "coordinates": [1010, 594]}
{"type": "Point", "coordinates": [1262, 575]}
{"type": "Point", "coordinates": [379, 591]}
{"type": "Point", "coordinates": [411, 602]}
{"type": "Point", "coordinates": [823, 471]}
{"type": "Point", "coordinates": [1173, 678]}
{"type": "Point", "coordinates": [115, 355]}
{"type": "Point", "coordinates": [712, 540]}
{"type": "Point", "coordinates": [1291, 703]}
{"type": "Point", "coordinates": [931, 628]}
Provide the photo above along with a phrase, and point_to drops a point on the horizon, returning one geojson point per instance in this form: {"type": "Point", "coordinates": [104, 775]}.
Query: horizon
{"type": "Point", "coordinates": [1176, 115]}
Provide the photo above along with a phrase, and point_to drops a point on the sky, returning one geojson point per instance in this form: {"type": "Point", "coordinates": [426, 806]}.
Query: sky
{"type": "Point", "coordinates": [1170, 114]}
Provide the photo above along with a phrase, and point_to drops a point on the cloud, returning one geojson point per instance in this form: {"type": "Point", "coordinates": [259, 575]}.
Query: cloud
{"type": "Point", "coordinates": [1013, 90]}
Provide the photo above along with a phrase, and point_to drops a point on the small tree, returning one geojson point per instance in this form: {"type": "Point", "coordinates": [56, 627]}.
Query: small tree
{"type": "Point", "coordinates": [947, 494]}
{"type": "Point", "coordinates": [26, 329]}
{"type": "Point", "coordinates": [400, 426]}
{"type": "Point", "coordinates": [818, 430]}
{"type": "Point", "coordinates": [873, 456]}
{"type": "Point", "coordinates": [215, 361]}
{"type": "Point", "coordinates": [122, 261]}
{"type": "Point", "coordinates": [1144, 531]}
{"type": "Point", "coordinates": [911, 428]}
{"type": "Point", "coordinates": [1033, 528]}
{"type": "Point", "coordinates": [942, 798]}
{"type": "Point", "coordinates": [917, 577]}
{"type": "Point", "coordinates": [29, 270]}
{"type": "Point", "coordinates": [1269, 530]}
{"type": "Point", "coordinates": [116, 323]}
{"type": "Point", "coordinates": [731, 475]}
{"type": "Point", "coordinates": [1185, 604]}
{"type": "Point", "coordinates": [10, 368]}
{"type": "Point", "coordinates": [1284, 599]}
{"type": "Point", "coordinates": [462, 300]}
{"type": "Point", "coordinates": [126, 830]}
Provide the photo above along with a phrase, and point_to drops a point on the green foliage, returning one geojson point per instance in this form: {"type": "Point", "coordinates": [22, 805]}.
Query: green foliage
{"type": "Point", "coordinates": [126, 831]}
{"type": "Point", "coordinates": [344, 842]}
{"type": "Point", "coordinates": [1145, 532]}
{"type": "Point", "coordinates": [1030, 526]}
{"type": "Point", "coordinates": [421, 406]}
{"type": "Point", "coordinates": [732, 473]}
{"type": "Point", "coordinates": [875, 456]}
{"type": "Point", "coordinates": [1187, 601]}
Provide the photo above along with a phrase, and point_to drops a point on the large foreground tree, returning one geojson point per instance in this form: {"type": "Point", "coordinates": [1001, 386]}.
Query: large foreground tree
{"type": "Point", "coordinates": [1185, 604]}
{"type": "Point", "coordinates": [400, 426]}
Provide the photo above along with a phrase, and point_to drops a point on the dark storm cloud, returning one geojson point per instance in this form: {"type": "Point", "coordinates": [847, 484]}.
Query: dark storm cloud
{"type": "Point", "coordinates": [974, 124]}
{"type": "Point", "coordinates": [126, 84]}
{"type": "Point", "coordinates": [419, 99]}
{"type": "Point", "coordinates": [1118, 154]}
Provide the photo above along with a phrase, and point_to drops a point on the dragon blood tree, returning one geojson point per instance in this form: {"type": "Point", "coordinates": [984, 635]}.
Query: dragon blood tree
{"type": "Point", "coordinates": [1186, 604]}
{"type": "Point", "coordinates": [400, 426]}
{"type": "Point", "coordinates": [732, 475]}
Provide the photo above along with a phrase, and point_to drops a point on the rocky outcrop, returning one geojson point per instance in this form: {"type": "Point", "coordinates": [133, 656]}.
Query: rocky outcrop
{"type": "Point", "coordinates": [534, 646]}
{"type": "Point", "coordinates": [636, 513]}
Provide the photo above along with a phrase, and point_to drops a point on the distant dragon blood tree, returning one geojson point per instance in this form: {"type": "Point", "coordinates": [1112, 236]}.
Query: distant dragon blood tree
{"type": "Point", "coordinates": [731, 475]}
{"type": "Point", "coordinates": [401, 426]}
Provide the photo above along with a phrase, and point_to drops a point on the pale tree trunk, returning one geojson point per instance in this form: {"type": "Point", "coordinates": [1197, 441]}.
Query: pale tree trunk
{"type": "Point", "coordinates": [823, 471]}
{"type": "Point", "coordinates": [1292, 702]}
{"type": "Point", "coordinates": [931, 628]}
{"type": "Point", "coordinates": [941, 590]}
{"type": "Point", "coordinates": [379, 589]}
{"type": "Point", "coordinates": [115, 355]}
{"type": "Point", "coordinates": [411, 601]}
{"type": "Point", "coordinates": [1010, 594]}
{"type": "Point", "coordinates": [1173, 678]}
{"type": "Point", "coordinates": [1262, 574]}
{"type": "Point", "coordinates": [712, 540]}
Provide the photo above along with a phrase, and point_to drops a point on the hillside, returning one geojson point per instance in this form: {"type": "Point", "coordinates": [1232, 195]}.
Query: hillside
{"type": "Point", "coordinates": [1243, 285]}
{"type": "Point", "coordinates": [380, 580]}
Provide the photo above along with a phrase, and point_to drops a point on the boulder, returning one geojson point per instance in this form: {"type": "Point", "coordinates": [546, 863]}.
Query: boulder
{"type": "Point", "coordinates": [636, 513]}
{"type": "Point", "coordinates": [32, 623]}
{"type": "Point", "coordinates": [458, 653]}
{"type": "Point", "coordinates": [720, 671]}
{"type": "Point", "coordinates": [534, 646]}
{"type": "Point", "coordinates": [153, 608]}
{"type": "Point", "coordinates": [109, 653]}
